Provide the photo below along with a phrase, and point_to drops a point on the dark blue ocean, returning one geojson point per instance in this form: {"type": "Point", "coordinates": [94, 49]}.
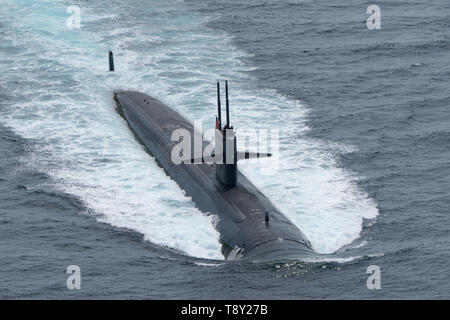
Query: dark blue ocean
{"type": "Point", "coordinates": [364, 156]}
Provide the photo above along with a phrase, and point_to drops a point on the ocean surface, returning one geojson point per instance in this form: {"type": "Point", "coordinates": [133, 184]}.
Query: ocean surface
{"type": "Point", "coordinates": [364, 156]}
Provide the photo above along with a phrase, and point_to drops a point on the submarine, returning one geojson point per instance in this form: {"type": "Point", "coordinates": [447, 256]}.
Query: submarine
{"type": "Point", "coordinates": [251, 227]}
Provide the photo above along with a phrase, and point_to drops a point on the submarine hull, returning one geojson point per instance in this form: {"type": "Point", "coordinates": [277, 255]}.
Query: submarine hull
{"type": "Point", "coordinates": [240, 210]}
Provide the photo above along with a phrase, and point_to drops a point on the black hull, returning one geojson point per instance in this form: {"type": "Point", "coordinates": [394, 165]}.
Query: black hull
{"type": "Point", "coordinates": [241, 210]}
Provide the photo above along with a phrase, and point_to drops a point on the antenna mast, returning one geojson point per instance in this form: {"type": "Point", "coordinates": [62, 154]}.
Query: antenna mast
{"type": "Point", "coordinates": [227, 104]}
{"type": "Point", "coordinates": [219, 110]}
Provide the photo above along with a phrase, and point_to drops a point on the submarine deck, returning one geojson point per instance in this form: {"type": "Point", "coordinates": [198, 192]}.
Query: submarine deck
{"type": "Point", "coordinates": [241, 210]}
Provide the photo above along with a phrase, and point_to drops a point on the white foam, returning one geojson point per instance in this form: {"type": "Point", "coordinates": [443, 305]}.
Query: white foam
{"type": "Point", "coordinates": [326, 259]}
{"type": "Point", "coordinates": [90, 152]}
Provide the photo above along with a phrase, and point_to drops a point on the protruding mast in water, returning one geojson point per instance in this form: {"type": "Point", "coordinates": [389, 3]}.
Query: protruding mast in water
{"type": "Point", "coordinates": [111, 61]}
